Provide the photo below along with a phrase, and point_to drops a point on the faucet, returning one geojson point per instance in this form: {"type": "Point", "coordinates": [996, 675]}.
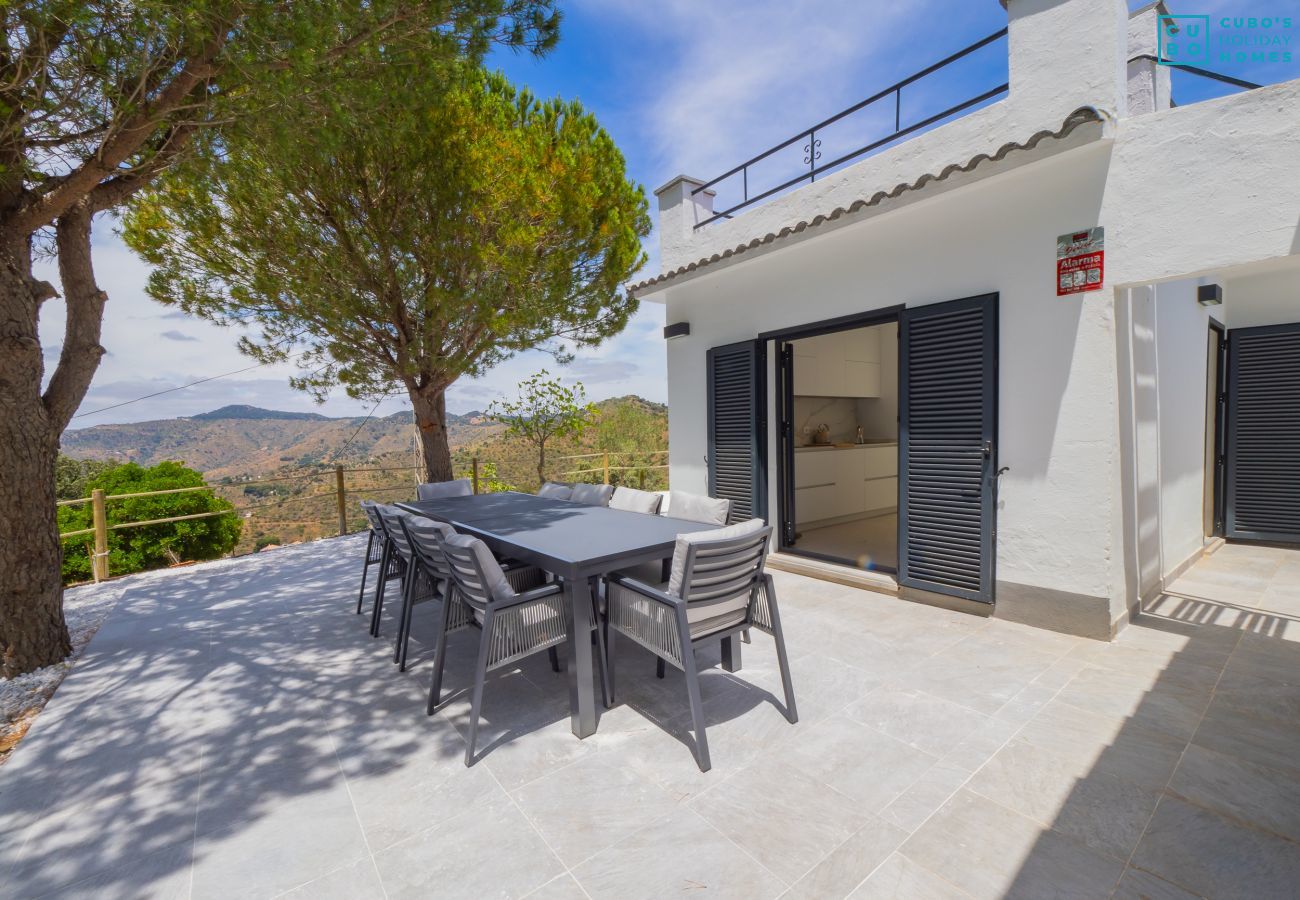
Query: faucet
{"type": "Point", "coordinates": [861, 439]}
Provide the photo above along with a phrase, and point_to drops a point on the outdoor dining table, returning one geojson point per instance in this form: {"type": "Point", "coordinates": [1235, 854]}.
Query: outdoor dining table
{"type": "Point", "coordinates": [572, 541]}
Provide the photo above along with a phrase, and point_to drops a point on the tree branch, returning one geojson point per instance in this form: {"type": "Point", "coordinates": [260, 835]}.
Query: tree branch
{"type": "Point", "coordinates": [81, 351]}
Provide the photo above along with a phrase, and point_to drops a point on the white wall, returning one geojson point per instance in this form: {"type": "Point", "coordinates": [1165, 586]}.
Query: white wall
{"type": "Point", "coordinates": [1058, 419]}
{"type": "Point", "coordinates": [879, 415]}
{"type": "Point", "coordinates": [1263, 297]}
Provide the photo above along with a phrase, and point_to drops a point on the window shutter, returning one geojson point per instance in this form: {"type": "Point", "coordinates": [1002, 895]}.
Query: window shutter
{"type": "Point", "coordinates": [947, 458]}
{"type": "Point", "coordinates": [1264, 433]}
{"type": "Point", "coordinates": [737, 442]}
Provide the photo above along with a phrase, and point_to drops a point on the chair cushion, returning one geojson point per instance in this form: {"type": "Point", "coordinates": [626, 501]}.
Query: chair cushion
{"type": "Point", "coordinates": [592, 494]}
{"type": "Point", "coordinates": [697, 508]}
{"type": "Point", "coordinates": [702, 619]}
{"type": "Point", "coordinates": [632, 500]}
{"type": "Point", "coordinates": [555, 491]}
{"type": "Point", "coordinates": [740, 529]}
{"type": "Point", "coordinates": [432, 490]}
{"type": "Point", "coordinates": [494, 576]}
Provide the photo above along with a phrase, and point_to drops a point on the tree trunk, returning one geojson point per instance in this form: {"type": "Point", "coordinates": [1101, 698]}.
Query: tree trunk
{"type": "Point", "coordinates": [541, 465]}
{"type": "Point", "coordinates": [32, 630]}
{"type": "Point", "coordinates": [431, 421]}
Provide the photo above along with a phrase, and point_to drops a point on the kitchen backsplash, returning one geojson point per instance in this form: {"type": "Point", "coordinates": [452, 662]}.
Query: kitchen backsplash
{"type": "Point", "coordinates": [842, 414]}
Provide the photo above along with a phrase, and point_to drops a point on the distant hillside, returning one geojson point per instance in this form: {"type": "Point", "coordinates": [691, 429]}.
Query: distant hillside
{"type": "Point", "coordinates": [246, 440]}
{"type": "Point", "coordinates": [242, 411]}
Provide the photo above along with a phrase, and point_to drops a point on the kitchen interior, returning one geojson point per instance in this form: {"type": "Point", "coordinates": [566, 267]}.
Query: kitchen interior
{"type": "Point", "coordinates": [845, 417]}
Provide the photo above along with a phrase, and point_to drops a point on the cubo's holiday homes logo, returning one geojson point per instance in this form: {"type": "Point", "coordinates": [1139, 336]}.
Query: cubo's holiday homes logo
{"type": "Point", "coordinates": [1200, 40]}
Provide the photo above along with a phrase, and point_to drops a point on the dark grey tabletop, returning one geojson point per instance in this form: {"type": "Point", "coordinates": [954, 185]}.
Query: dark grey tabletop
{"type": "Point", "coordinates": [569, 539]}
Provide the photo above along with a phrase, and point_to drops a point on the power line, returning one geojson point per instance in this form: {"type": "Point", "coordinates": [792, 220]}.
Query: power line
{"type": "Point", "coordinates": [182, 387]}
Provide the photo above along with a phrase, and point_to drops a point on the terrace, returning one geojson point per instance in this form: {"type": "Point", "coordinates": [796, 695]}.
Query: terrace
{"type": "Point", "coordinates": [233, 730]}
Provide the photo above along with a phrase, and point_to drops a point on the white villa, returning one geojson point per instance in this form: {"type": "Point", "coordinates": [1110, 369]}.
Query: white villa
{"type": "Point", "coordinates": [1034, 360]}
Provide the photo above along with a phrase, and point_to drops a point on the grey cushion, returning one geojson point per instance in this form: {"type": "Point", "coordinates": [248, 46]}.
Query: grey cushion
{"type": "Point", "coordinates": [592, 494]}
{"type": "Point", "coordinates": [701, 618]}
{"type": "Point", "coordinates": [555, 491]}
{"type": "Point", "coordinates": [697, 508]}
{"type": "Point", "coordinates": [632, 500]}
{"type": "Point", "coordinates": [493, 575]}
{"type": "Point", "coordinates": [433, 490]}
{"type": "Point", "coordinates": [740, 529]}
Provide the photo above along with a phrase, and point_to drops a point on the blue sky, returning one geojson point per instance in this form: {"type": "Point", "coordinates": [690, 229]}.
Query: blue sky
{"type": "Point", "coordinates": [683, 86]}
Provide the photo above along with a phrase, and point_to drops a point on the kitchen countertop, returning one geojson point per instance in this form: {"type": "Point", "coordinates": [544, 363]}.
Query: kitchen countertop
{"type": "Point", "coordinates": [822, 448]}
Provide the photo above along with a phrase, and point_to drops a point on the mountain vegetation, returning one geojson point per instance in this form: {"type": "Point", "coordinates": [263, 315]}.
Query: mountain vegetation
{"type": "Point", "coordinates": [149, 546]}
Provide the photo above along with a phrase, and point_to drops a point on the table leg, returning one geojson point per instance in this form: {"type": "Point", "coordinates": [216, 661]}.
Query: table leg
{"type": "Point", "coordinates": [582, 694]}
{"type": "Point", "coordinates": [731, 653]}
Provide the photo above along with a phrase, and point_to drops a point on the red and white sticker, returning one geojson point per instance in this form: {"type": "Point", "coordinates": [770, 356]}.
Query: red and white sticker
{"type": "Point", "coordinates": [1080, 261]}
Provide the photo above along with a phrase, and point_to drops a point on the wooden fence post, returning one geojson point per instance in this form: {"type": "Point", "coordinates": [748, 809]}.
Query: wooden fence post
{"type": "Point", "coordinates": [641, 479]}
{"type": "Point", "coordinates": [606, 461]}
{"type": "Point", "coordinates": [99, 562]}
{"type": "Point", "coordinates": [474, 472]}
{"type": "Point", "coordinates": [342, 499]}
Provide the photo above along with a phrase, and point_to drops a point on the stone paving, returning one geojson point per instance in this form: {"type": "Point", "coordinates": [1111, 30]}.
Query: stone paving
{"type": "Point", "coordinates": [232, 731]}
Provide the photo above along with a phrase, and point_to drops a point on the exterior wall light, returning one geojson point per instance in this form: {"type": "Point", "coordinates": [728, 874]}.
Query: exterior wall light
{"type": "Point", "coordinates": [1209, 295]}
{"type": "Point", "coordinates": [676, 330]}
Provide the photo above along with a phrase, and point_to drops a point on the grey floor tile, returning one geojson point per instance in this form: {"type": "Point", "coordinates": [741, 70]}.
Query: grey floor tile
{"type": "Point", "coordinates": [251, 845]}
{"type": "Point", "coordinates": [849, 863]}
{"type": "Point", "coordinates": [1150, 700]}
{"type": "Point", "coordinates": [926, 795]}
{"type": "Point", "coordinates": [73, 842]}
{"type": "Point", "coordinates": [990, 851]}
{"type": "Point", "coordinates": [859, 762]}
{"type": "Point", "coordinates": [1211, 856]}
{"type": "Point", "coordinates": [926, 722]}
{"type": "Point", "coordinates": [1095, 742]}
{"type": "Point", "coordinates": [680, 854]}
{"type": "Point", "coordinates": [1264, 798]}
{"type": "Point", "coordinates": [590, 805]}
{"type": "Point", "coordinates": [561, 888]}
{"type": "Point", "coordinates": [358, 880]}
{"type": "Point", "coordinates": [898, 878]}
{"type": "Point", "coordinates": [489, 849]}
{"type": "Point", "coordinates": [1263, 742]}
{"type": "Point", "coordinates": [397, 802]}
{"type": "Point", "coordinates": [1139, 885]}
{"type": "Point", "coordinates": [782, 814]}
{"type": "Point", "coordinates": [164, 875]}
{"type": "Point", "coordinates": [1101, 811]}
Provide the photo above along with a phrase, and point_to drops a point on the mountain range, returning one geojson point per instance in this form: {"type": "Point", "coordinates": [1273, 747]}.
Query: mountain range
{"type": "Point", "coordinates": [248, 440]}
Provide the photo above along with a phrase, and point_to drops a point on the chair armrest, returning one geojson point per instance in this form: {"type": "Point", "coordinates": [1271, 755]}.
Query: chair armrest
{"type": "Point", "coordinates": [536, 593]}
{"type": "Point", "coordinates": [646, 590]}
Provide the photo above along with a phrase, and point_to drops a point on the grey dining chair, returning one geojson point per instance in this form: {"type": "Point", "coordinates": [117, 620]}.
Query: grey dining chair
{"type": "Point", "coordinates": [697, 508]}
{"type": "Point", "coordinates": [390, 564]}
{"type": "Point", "coordinates": [434, 490]}
{"type": "Point", "coordinates": [399, 554]}
{"type": "Point", "coordinates": [513, 624]}
{"type": "Point", "coordinates": [591, 494]}
{"type": "Point", "coordinates": [632, 500]}
{"type": "Point", "coordinates": [717, 590]}
{"type": "Point", "coordinates": [423, 536]}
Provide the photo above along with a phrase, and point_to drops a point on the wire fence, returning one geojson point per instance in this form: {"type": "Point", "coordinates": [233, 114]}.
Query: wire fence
{"type": "Point", "coordinates": [291, 507]}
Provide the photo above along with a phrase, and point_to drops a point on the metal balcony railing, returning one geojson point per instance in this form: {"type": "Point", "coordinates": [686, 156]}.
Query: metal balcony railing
{"type": "Point", "coordinates": [811, 143]}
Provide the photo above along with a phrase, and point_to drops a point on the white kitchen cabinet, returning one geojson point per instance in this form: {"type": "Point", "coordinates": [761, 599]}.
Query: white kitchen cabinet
{"type": "Point", "coordinates": [861, 379]}
{"type": "Point", "coordinates": [840, 483]}
{"type": "Point", "coordinates": [841, 364]}
{"type": "Point", "coordinates": [880, 493]}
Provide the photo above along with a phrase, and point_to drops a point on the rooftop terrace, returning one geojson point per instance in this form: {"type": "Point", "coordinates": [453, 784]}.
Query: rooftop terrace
{"type": "Point", "coordinates": [232, 730]}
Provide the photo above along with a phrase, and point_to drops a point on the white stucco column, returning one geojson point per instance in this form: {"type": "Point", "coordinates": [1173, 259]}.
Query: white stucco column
{"type": "Point", "coordinates": [1064, 54]}
{"type": "Point", "coordinates": [679, 211]}
{"type": "Point", "coordinates": [1148, 82]}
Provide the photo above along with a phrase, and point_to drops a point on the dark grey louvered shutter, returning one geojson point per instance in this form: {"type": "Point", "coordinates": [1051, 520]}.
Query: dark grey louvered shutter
{"type": "Point", "coordinates": [737, 402]}
{"type": "Point", "coordinates": [947, 458]}
{"type": "Point", "coordinates": [1264, 433]}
